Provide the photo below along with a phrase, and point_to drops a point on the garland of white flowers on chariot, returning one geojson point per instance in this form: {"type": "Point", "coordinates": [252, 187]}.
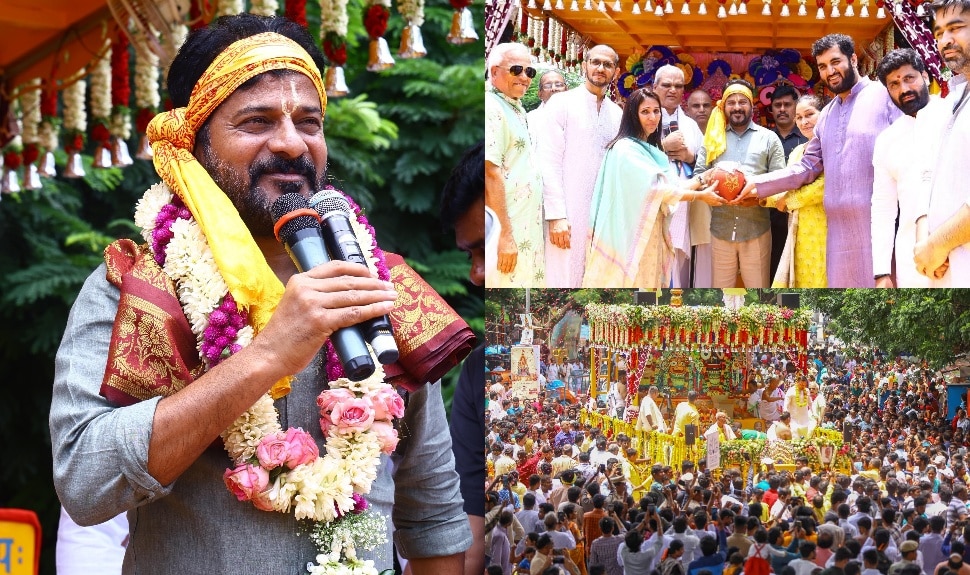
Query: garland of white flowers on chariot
{"type": "Point", "coordinates": [280, 470]}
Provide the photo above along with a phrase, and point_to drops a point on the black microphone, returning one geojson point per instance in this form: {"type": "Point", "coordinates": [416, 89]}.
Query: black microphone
{"type": "Point", "coordinates": [335, 214]}
{"type": "Point", "coordinates": [671, 128]}
{"type": "Point", "coordinates": [298, 228]}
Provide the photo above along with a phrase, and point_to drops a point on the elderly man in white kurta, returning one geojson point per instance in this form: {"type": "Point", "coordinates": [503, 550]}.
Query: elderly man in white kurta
{"type": "Point", "coordinates": [551, 82]}
{"type": "Point", "coordinates": [650, 418]}
{"type": "Point", "coordinates": [896, 185]}
{"type": "Point", "coordinates": [689, 224]}
{"type": "Point", "coordinates": [943, 235]}
{"type": "Point", "coordinates": [578, 125]}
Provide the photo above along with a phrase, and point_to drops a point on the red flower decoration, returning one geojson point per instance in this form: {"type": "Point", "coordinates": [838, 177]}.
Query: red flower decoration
{"type": "Point", "coordinates": [11, 160]}
{"type": "Point", "coordinates": [31, 153]}
{"type": "Point", "coordinates": [143, 118]}
{"type": "Point", "coordinates": [335, 49]}
{"type": "Point", "coordinates": [296, 10]}
{"type": "Point", "coordinates": [48, 103]}
{"type": "Point", "coordinates": [120, 90]}
{"type": "Point", "coordinates": [459, 4]}
{"type": "Point", "coordinates": [100, 133]}
{"type": "Point", "coordinates": [375, 20]}
{"type": "Point", "coordinates": [76, 144]}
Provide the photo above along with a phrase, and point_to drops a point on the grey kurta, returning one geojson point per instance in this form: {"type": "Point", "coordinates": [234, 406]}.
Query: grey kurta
{"type": "Point", "coordinates": [195, 525]}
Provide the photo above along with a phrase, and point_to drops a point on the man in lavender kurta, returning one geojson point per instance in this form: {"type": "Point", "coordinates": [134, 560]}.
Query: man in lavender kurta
{"type": "Point", "coordinates": [844, 139]}
{"type": "Point", "coordinates": [578, 125]}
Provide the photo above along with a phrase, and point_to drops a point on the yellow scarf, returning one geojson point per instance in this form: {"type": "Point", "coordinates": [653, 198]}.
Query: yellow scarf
{"type": "Point", "coordinates": [251, 282]}
{"type": "Point", "coordinates": [715, 138]}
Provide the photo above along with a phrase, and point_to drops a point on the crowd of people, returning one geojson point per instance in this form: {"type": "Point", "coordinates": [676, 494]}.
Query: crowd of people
{"type": "Point", "coordinates": [568, 498]}
{"type": "Point", "coordinates": [591, 193]}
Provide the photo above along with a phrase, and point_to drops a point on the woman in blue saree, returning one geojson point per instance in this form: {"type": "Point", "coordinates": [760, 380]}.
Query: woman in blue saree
{"type": "Point", "coordinates": [636, 191]}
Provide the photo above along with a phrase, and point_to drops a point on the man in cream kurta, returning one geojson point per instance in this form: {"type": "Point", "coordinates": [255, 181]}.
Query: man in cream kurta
{"type": "Point", "coordinates": [578, 125]}
{"type": "Point", "coordinates": [896, 189]}
{"type": "Point", "coordinates": [944, 234]}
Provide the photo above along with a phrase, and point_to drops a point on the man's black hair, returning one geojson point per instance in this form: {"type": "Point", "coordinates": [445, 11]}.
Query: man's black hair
{"type": "Point", "coordinates": [784, 90]}
{"type": "Point", "coordinates": [203, 45]}
{"type": "Point", "coordinates": [845, 43]}
{"type": "Point", "coordinates": [465, 185]}
{"type": "Point", "coordinates": [897, 59]}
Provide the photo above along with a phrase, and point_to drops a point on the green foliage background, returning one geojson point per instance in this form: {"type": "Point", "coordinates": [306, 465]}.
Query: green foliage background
{"type": "Point", "coordinates": [392, 144]}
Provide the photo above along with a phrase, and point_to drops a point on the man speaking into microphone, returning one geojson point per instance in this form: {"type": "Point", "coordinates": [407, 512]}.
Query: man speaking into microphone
{"type": "Point", "coordinates": [208, 329]}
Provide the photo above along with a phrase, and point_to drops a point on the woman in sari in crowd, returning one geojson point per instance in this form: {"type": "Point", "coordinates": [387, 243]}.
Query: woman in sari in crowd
{"type": "Point", "coordinates": [803, 260]}
{"type": "Point", "coordinates": [635, 193]}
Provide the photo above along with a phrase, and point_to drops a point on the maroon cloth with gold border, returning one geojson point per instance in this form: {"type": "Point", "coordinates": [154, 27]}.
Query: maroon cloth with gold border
{"type": "Point", "coordinates": [153, 350]}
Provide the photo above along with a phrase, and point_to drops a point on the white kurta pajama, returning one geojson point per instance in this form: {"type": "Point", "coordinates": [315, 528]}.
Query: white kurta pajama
{"type": "Point", "coordinates": [648, 407]}
{"type": "Point", "coordinates": [570, 153]}
{"type": "Point", "coordinates": [896, 191]}
{"type": "Point", "coordinates": [943, 172]}
{"type": "Point", "coordinates": [799, 404]}
{"type": "Point", "coordinates": [691, 226]}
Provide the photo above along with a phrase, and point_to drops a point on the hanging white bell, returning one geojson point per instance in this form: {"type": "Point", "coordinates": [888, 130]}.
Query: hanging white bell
{"type": "Point", "coordinates": [334, 82]}
{"type": "Point", "coordinates": [686, 9]}
{"type": "Point", "coordinates": [412, 44]}
{"type": "Point", "coordinates": [74, 167]}
{"type": "Point", "coordinates": [32, 178]}
{"type": "Point", "coordinates": [864, 13]}
{"type": "Point", "coordinates": [46, 167]}
{"type": "Point", "coordinates": [820, 15]}
{"type": "Point", "coordinates": [559, 5]}
{"type": "Point", "coordinates": [849, 11]}
{"type": "Point", "coordinates": [702, 9]}
{"type": "Point", "coordinates": [801, 10]}
{"type": "Point", "coordinates": [574, 6]}
{"type": "Point", "coordinates": [636, 8]}
{"type": "Point", "coordinates": [120, 157]}
{"type": "Point", "coordinates": [379, 56]}
{"type": "Point", "coordinates": [462, 27]}
{"type": "Point", "coordinates": [784, 11]}
{"type": "Point", "coordinates": [659, 11]}
{"type": "Point", "coordinates": [144, 149]}
{"type": "Point", "coordinates": [881, 13]}
{"type": "Point", "coordinates": [721, 12]}
{"type": "Point", "coordinates": [11, 184]}
{"type": "Point", "coordinates": [102, 157]}
{"type": "Point", "coordinates": [743, 8]}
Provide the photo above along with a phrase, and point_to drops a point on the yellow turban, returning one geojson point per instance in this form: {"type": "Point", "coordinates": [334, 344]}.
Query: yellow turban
{"type": "Point", "coordinates": [715, 138]}
{"type": "Point", "coordinates": [251, 282]}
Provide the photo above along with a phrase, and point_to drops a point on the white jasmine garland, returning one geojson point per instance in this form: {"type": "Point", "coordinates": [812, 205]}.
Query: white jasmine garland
{"type": "Point", "coordinates": [75, 117]}
{"type": "Point", "coordinates": [328, 489]}
{"type": "Point", "coordinates": [48, 134]}
{"type": "Point", "coordinates": [264, 7]}
{"type": "Point", "coordinates": [30, 112]}
{"type": "Point", "coordinates": [229, 7]}
{"type": "Point", "coordinates": [412, 11]}
{"type": "Point", "coordinates": [101, 87]}
{"type": "Point", "coordinates": [120, 125]}
{"type": "Point", "coordinates": [333, 17]}
{"type": "Point", "coordinates": [146, 80]}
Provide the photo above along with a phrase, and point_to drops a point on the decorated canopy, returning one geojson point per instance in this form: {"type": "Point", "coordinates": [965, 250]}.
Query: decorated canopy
{"type": "Point", "coordinates": [635, 326]}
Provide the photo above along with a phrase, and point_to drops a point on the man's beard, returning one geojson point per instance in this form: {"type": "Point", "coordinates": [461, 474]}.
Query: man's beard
{"type": "Point", "coordinates": [743, 122]}
{"type": "Point", "coordinates": [958, 63]}
{"type": "Point", "coordinates": [849, 79]}
{"type": "Point", "coordinates": [251, 201]}
{"type": "Point", "coordinates": [916, 104]}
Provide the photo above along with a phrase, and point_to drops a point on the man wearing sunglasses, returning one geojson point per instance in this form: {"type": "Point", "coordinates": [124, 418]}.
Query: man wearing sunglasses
{"type": "Point", "coordinates": [513, 188]}
{"type": "Point", "coordinates": [579, 123]}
